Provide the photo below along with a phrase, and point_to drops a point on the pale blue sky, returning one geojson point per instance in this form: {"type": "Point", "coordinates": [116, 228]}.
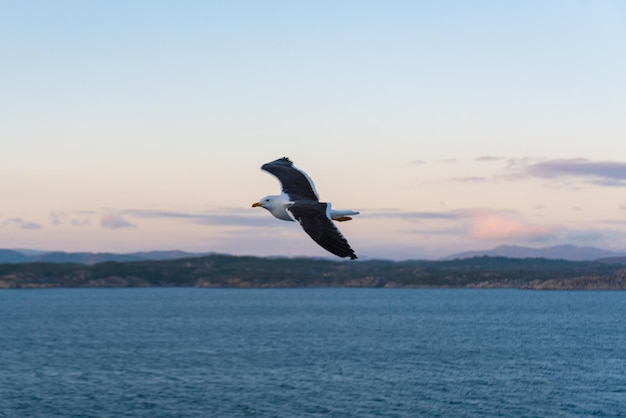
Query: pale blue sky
{"type": "Point", "coordinates": [450, 125]}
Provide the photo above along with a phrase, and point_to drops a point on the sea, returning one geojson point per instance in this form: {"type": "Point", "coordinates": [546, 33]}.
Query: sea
{"type": "Point", "coordinates": [185, 352]}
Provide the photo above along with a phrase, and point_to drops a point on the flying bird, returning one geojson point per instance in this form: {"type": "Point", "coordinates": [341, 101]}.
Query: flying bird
{"type": "Point", "coordinates": [299, 202]}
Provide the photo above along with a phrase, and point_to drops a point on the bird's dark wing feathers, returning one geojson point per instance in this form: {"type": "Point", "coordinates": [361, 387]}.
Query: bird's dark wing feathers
{"type": "Point", "coordinates": [312, 217]}
{"type": "Point", "coordinates": [293, 181]}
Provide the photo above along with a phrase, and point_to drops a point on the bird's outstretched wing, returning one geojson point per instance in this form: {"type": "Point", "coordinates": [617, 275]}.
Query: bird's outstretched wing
{"type": "Point", "coordinates": [314, 220]}
{"type": "Point", "coordinates": [295, 183]}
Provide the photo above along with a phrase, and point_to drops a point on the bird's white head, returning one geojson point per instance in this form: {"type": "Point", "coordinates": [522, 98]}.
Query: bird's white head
{"type": "Point", "coordinates": [266, 202]}
{"type": "Point", "coordinates": [276, 205]}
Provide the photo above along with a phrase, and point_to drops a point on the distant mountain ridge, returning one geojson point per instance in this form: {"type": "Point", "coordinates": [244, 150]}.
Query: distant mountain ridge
{"type": "Point", "coordinates": [557, 252]}
{"type": "Point", "coordinates": [89, 258]}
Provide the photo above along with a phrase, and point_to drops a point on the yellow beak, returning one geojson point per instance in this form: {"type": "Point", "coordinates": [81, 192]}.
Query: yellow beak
{"type": "Point", "coordinates": [256, 204]}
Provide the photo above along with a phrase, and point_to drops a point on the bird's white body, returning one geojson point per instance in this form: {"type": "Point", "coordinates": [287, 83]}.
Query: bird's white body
{"type": "Point", "coordinates": [277, 205]}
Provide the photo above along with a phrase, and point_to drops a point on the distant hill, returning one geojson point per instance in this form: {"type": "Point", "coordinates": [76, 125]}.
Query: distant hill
{"type": "Point", "coordinates": [27, 256]}
{"type": "Point", "coordinates": [12, 256]}
{"type": "Point", "coordinates": [558, 252]}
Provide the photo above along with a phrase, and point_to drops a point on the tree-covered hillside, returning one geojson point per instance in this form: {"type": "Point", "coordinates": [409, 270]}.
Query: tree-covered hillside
{"type": "Point", "coordinates": [233, 271]}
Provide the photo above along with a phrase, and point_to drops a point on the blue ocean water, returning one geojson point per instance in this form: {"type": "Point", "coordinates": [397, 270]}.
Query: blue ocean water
{"type": "Point", "coordinates": [182, 352]}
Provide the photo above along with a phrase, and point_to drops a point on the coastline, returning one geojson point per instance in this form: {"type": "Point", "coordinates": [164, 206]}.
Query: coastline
{"type": "Point", "coordinates": [223, 271]}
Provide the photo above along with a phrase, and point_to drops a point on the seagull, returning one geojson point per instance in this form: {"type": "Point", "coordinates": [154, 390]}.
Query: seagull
{"type": "Point", "coordinates": [300, 202]}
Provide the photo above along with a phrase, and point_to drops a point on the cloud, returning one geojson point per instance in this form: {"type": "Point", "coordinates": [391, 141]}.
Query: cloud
{"type": "Point", "coordinates": [411, 215]}
{"type": "Point", "coordinates": [57, 217]}
{"type": "Point", "coordinates": [22, 224]}
{"type": "Point", "coordinates": [115, 221]}
{"type": "Point", "coordinates": [602, 173]}
{"type": "Point", "coordinates": [62, 217]}
{"type": "Point", "coordinates": [489, 158]}
{"type": "Point", "coordinates": [148, 213]}
{"type": "Point", "coordinates": [477, 224]}
{"type": "Point", "coordinates": [490, 225]}
{"type": "Point", "coordinates": [609, 182]}
{"type": "Point", "coordinates": [417, 162]}
{"type": "Point", "coordinates": [233, 218]}
{"type": "Point", "coordinates": [237, 220]}
{"type": "Point", "coordinates": [447, 231]}
{"type": "Point", "coordinates": [80, 222]}
{"type": "Point", "coordinates": [470, 179]}
{"type": "Point", "coordinates": [604, 238]}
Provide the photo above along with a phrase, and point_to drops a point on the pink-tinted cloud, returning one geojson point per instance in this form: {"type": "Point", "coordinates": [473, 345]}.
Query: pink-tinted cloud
{"type": "Point", "coordinates": [497, 225]}
{"type": "Point", "coordinates": [115, 221]}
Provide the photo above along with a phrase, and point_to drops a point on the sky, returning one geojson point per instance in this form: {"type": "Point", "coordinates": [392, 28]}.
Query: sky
{"type": "Point", "coordinates": [450, 125]}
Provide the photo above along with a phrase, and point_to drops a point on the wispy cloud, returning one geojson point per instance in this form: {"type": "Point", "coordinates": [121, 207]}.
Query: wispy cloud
{"type": "Point", "coordinates": [73, 218]}
{"type": "Point", "coordinates": [149, 213]}
{"type": "Point", "coordinates": [80, 222]}
{"type": "Point", "coordinates": [470, 179]}
{"type": "Point", "coordinates": [237, 220]}
{"type": "Point", "coordinates": [233, 218]}
{"type": "Point", "coordinates": [411, 215]}
{"type": "Point", "coordinates": [489, 158]}
{"type": "Point", "coordinates": [601, 173]}
{"type": "Point", "coordinates": [621, 222]}
{"type": "Point", "coordinates": [57, 217]}
{"type": "Point", "coordinates": [456, 230]}
{"type": "Point", "coordinates": [416, 162]}
{"type": "Point", "coordinates": [605, 238]}
{"type": "Point", "coordinates": [481, 224]}
{"type": "Point", "coordinates": [22, 224]}
{"type": "Point", "coordinates": [115, 221]}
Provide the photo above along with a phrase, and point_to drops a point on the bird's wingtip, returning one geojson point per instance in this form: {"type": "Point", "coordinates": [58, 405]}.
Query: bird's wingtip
{"type": "Point", "coordinates": [283, 160]}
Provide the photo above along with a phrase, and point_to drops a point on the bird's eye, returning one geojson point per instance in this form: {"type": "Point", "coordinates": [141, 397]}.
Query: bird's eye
{"type": "Point", "coordinates": [267, 200]}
